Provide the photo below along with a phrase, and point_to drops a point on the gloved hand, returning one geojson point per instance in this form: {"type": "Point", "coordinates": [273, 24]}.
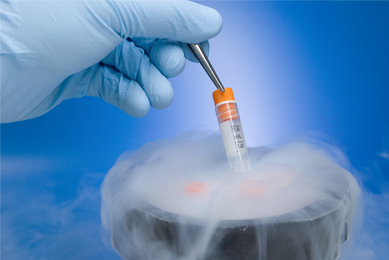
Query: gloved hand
{"type": "Point", "coordinates": [121, 51]}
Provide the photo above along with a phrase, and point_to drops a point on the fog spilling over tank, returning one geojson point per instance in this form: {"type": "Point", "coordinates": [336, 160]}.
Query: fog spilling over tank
{"type": "Point", "coordinates": [176, 199]}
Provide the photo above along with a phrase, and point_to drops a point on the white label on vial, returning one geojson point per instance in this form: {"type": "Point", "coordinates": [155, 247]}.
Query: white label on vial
{"type": "Point", "coordinates": [233, 139]}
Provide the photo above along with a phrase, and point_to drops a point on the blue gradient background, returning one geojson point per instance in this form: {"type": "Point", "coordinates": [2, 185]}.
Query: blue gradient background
{"type": "Point", "coordinates": [297, 68]}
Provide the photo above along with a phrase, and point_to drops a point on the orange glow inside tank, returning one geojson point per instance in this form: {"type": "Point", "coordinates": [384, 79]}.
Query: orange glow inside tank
{"type": "Point", "coordinates": [196, 187]}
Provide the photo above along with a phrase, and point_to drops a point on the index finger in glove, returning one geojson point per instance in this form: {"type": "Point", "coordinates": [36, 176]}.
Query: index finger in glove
{"type": "Point", "coordinates": [181, 21]}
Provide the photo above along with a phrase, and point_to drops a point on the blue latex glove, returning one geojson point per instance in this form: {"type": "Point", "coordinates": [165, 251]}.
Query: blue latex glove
{"type": "Point", "coordinates": [121, 51]}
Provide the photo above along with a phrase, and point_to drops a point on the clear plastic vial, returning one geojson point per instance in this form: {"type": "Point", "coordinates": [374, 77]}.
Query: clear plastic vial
{"type": "Point", "coordinates": [231, 130]}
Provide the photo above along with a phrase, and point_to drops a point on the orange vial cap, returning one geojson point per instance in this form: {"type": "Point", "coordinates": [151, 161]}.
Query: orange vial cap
{"type": "Point", "coordinates": [226, 111]}
{"type": "Point", "coordinates": [220, 96]}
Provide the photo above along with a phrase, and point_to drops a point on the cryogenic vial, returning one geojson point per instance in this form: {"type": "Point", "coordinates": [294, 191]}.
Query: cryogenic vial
{"type": "Point", "coordinates": [231, 130]}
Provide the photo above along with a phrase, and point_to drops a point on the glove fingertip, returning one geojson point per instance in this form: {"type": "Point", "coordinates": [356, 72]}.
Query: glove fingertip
{"type": "Point", "coordinates": [164, 98]}
{"type": "Point", "coordinates": [175, 65]}
{"type": "Point", "coordinates": [134, 100]}
{"type": "Point", "coordinates": [169, 57]}
{"type": "Point", "coordinates": [214, 24]}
